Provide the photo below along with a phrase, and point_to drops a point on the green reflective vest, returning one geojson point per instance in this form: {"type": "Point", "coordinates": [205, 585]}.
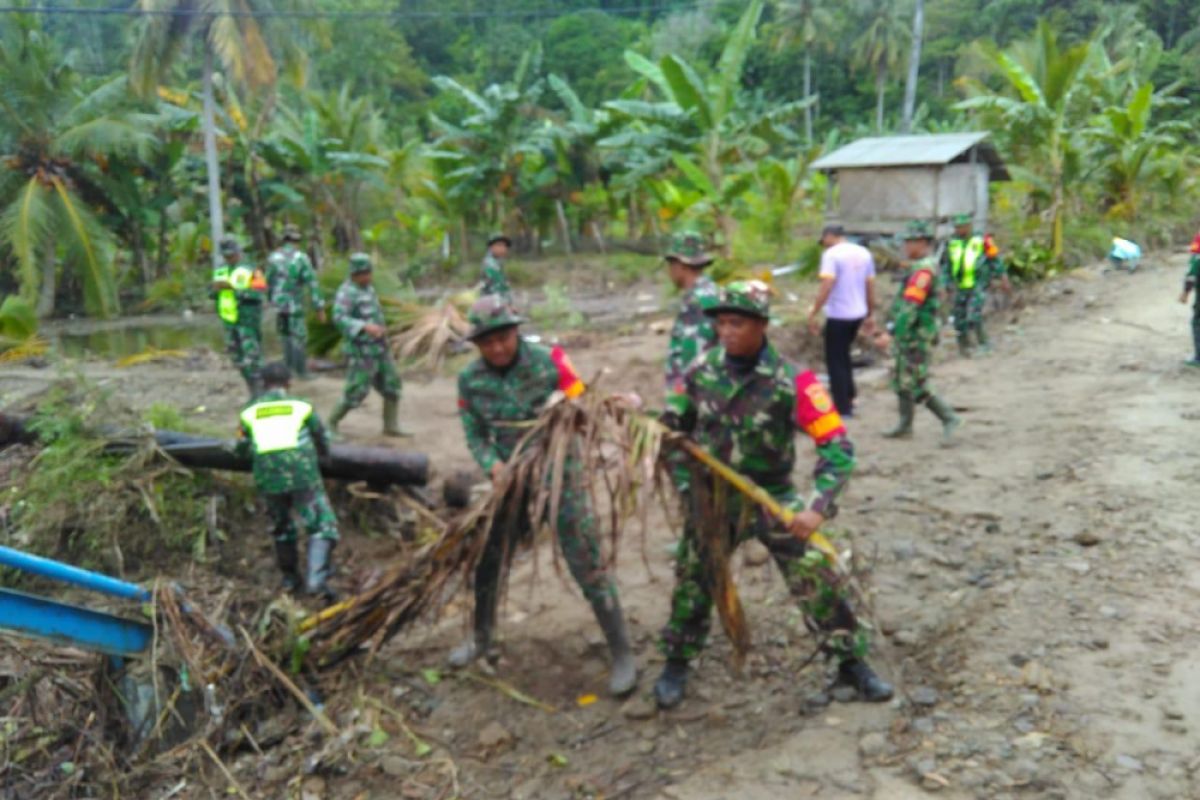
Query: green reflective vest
{"type": "Point", "coordinates": [241, 279]}
{"type": "Point", "coordinates": [275, 425]}
{"type": "Point", "coordinates": [964, 256]}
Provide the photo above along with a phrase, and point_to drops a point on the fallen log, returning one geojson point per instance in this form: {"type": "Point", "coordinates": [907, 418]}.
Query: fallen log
{"type": "Point", "coordinates": [347, 462]}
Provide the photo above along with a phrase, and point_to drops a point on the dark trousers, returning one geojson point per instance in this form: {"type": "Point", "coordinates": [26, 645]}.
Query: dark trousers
{"type": "Point", "coordinates": [839, 335]}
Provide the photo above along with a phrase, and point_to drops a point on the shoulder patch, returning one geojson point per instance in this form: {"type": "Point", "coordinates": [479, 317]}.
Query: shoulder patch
{"type": "Point", "coordinates": [815, 412]}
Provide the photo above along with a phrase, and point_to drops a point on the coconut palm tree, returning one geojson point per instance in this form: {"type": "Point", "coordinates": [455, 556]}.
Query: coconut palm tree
{"type": "Point", "coordinates": [809, 22]}
{"type": "Point", "coordinates": [880, 47]}
{"type": "Point", "coordinates": [231, 38]}
{"type": "Point", "coordinates": [56, 138]}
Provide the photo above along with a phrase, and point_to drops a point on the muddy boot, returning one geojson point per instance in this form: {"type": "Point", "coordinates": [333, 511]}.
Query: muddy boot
{"type": "Point", "coordinates": [903, 428]}
{"type": "Point", "coordinates": [298, 360]}
{"type": "Point", "coordinates": [964, 346]}
{"type": "Point", "coordinates": [287, 557]}
{"type": "Point", "coordinates": [624, 676]}
{"type": "Point", "coordinates": [391, 417]}
{"type": "Point", "coordinates": [479, 643]}
{"type": "Point", "coordinates": [336, 416]}
{"type": "Point", "coordinates": [985, 344]}
{"type": "Point", "coordinates": [871, 688]}
{"type": "Point", "coordinates": [320, 568]}
{"type": "Point", "coordinates": [669, 688]}
{"type": "Point", "coordinates": [950, 421]}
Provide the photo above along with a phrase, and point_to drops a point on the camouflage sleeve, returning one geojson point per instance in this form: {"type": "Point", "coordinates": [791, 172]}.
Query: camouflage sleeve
{"type": "Point", "coordinates": [343, 319]}
{"type": "Point", "coordinates": [904, 317]}
{"type": "Point", "coordinates": [243, 447]}
{"type": "Point", "coordinates": [835, 463]}
{"type": "Point", "coordinates": [1193, 272]}
{"type": "Point", "coordinates": [680, 413]}
{"type": "Point", "coordinates": [319, 434]}
{"type": "Point", "coordinates": [477, 431]}
{"type": "Point", "coordinates": [308, 278]}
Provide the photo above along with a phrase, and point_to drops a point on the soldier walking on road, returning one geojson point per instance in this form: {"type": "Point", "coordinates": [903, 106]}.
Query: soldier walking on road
{"type": "Point", "coordinates": [744, 404]}
{"type": "Point", "coordinates": [290, 277]}
{"type": "Point", "coordinates": [693, 334]}
{"type": "Point", "coordinates": [239, 290]}
{"type": "Point", "coordinates": [285, 437]}
{"type": "Point", "coordinates": [914, 333]}
{"type": "Point", "coordinates": [507, 386]}
{"type": "Point", "coordinates": [494, 279]}
{"type": "Point", "coordinates": [359, 317]}
{"type": "Point", "coordinates": [1189, 286]}
{"type": "Point", "coordinates": [970, 263]}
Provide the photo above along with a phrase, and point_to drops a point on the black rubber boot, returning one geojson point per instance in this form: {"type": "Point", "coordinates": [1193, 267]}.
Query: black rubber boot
{"type": "Point", "coordinates": [479, 643]}
{"type": "Point", "coordinates": [670, 686]}
{"type": "Point", "coordinates": [320, 568]}
{"type": "Point", "coordinates": [944, 412]}
{"type": "Point", "coordinates": [903, 428]}
{"type": "Point", "coordinates": [624, 676]}
{"type": "Point", "coordinates": [336, 416]}
{"type": "Point", "coordinates": [871, 688]}
{"type": "Point", "coordinates": [287, 557]}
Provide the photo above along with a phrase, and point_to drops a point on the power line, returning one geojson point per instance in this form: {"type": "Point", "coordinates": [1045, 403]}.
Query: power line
{"type": "Point", "coordinates": [351, 15]}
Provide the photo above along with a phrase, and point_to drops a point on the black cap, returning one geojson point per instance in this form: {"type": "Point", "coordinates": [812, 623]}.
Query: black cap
{"type": "Point", "coordinates": [833, 229]}
{"type": "Point", "coordinates": [276, 374]}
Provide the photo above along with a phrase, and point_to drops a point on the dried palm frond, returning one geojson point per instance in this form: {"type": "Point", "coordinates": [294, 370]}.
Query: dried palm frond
{"type": "Point", "coordinates": [149, 356]}
{"type": "Point", "coordinates": [428, 338]}
{"type": "Point", "coordinates": [12, 351]}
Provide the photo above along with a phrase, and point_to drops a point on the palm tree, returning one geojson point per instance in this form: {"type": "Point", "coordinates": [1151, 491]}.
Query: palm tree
{"type": "Point", "coordinates": [880, 46]}
{"type": "Point", "coordinates": [809, 22]}
{"type": "Point", "coordinates": [55, 140]}
{"type": "Point", "coordinates": [230, 37]}
{"type": "Point", "coordinates": [914, 66]}
{"type": "Point", "coordinates": [1042, 107]}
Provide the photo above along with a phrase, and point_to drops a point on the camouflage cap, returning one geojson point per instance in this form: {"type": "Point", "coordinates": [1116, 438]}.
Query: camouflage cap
{"type": "Point", "coordinates": [359, 262]}
{"type": "Point", "coordinates": [491, 313]}
{"type": "Point", "coordinates": [917, 229]}
{"type": "Point", "coordinates": [963, 219]}
{"type": "Point", "coordinates": [291, 233]}
{"type": "Point", "coordinates": [498, 237]}
{"type": "Point", "coordinates": [752, 298]}
{"type": "Point", "coordinates": [687, 247]}
{"type": "Point", "coordinates": [229, 245]}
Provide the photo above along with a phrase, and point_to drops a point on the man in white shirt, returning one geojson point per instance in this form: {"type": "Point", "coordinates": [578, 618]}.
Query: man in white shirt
{"type": "Point", "coordinates": [847, 294]}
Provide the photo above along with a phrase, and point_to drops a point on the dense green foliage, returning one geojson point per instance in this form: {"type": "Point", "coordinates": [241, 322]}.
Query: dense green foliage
{"type": "Point", "coordinates": [412, 129]}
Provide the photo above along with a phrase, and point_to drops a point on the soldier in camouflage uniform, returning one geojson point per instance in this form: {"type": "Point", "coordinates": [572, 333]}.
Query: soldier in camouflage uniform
{"type": "Point", "coordinates": [285, 438]}
{"type": "Point", "coordinates": [970, 263]}
{"type": "Point", "coordinates": [744, 404]}
{"type": "Point", "coordinates": [239, 290]}
{"type": "Point", "coordinates": [693, 334]}
{"type": "Point", "coordinates": [359, 317]}
{"type": "Point", "coordinates": [494, 279]}
{"type": "Point", "coordinates": [510, 384]}
{"type": "Point", "coordinates": [914, 328]}
{"type": "Point", "coordinates": [1189, 286]}
{"type": "Point", "coordinates": [290, 276]}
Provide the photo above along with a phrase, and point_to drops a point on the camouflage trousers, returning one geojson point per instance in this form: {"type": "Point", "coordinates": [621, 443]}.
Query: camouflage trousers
{"type": "Point", "coordinates": [512, 527]}
{"type": "Point", "coordinates": [809, 577]}
{"type": "Point", "coordinates": [310, 505]}
{"type": "Point", "coordinates": [293, 335]}
{"type": "Point", "coordinates": [243, 343]}
{"type": "Point", "coordinates": [367, 368]}
{"type": "Point", "coordinates": [910, 370]}
{"type": "Point", "coordinates": [968, 313]}
{"type": "Point", "coordinates": [1196, 326]}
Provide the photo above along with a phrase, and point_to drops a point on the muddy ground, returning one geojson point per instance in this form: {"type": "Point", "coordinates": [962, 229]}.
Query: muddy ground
{"type": "Point", "coordinates": [1036, 587]}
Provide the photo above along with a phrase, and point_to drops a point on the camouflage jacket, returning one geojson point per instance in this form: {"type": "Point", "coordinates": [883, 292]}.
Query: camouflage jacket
{"type": "Point", "coordinates": [915, 309]}
{"type": "Point", "coordinates": [355, 307]}
{"type": "Point", "coordinates": [285, 470]}
{"type": "Point", "coordinates": [693, 333]}
{"type": "Point", "coordinates": [1193, 273]}
{"type": "Point", "coordinates": [494, 279]}
{"type": "Point", "coordinates": [749, 420]}
{"type": "Point", "coordinates": [290, 275]}
{"type": "Point", "coordinates": [494, 403]}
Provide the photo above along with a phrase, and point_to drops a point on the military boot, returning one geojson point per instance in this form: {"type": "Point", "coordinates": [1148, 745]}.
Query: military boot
{"type": "Point", "coordinates": [903, 428]}
{"type": "Point", "coordinates": [669, 688]}
{"type": "Point", "coordinates": [985, 344]}
{"type": "Point", "coordinates": [287, 558]}
{"type": "Point", "coordinates": [298, 359]}
{"type": "Point", "coordinates": [623, 678]}
{"type": "Point", "coordinates": [391, 417]}
{"type": "Point", "coordinates": [942, 410]}
{"type": "Point", "coordinates": [335, 417]}
{"type": "Point", "coordinates": [320, 568]}
{"type": "Point", "coordinates": [964, 346]}
{"type": "Point", "coordinates": [871, 688]}
{"type": "Point", "coordinates": [479, 643]}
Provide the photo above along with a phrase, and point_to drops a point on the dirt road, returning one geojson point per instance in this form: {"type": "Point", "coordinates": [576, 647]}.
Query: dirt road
{"type": "Point", "coordinates": [1038, 587]}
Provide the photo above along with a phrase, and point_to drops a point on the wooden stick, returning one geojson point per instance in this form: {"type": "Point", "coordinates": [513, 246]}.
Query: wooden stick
{"type": "Point", "coordinates": [288, 684]}
{"type": "Point", "coordinates": [221, 765]}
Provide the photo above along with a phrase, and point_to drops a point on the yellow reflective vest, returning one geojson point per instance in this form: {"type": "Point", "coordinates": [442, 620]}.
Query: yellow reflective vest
{"type": "Point", "coordinates": [964, 257]}
{"type": "Point", "coordinates": [241, 279]}
{"type": "Point", "coordinates": [276, 425]}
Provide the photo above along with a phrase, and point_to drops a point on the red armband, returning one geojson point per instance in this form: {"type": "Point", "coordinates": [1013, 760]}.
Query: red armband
{"type": "Point", "coordinates": [1195, 248]}
{"type": "Point", "coordinates": [990, 248]}
{"type": "Point", "coordinates": [916, 290]}
{"type": "Point", "coordinates": [569, 382]}
{"type": "Point", "coordinates": [815, 412]}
